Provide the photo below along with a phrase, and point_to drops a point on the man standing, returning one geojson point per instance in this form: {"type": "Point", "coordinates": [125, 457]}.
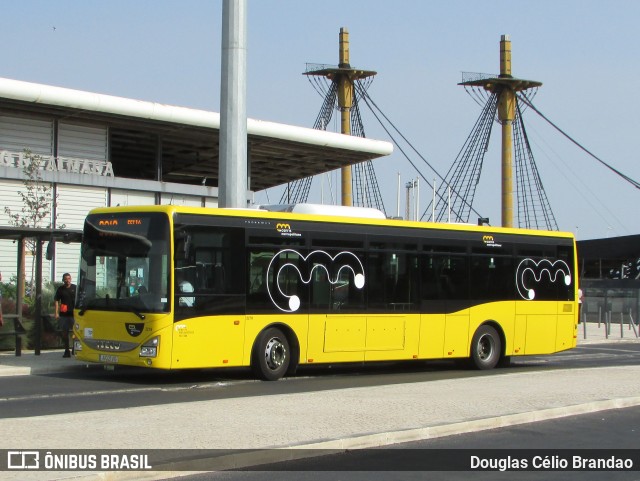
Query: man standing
{"type": "Point", "coordinates": [65, 300]}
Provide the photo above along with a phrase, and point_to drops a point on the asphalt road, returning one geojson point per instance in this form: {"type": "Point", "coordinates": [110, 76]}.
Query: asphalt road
{"type": "Point", "coordinates": [615, 431]}
{"type": "Point", "coordinates": [97, 389]}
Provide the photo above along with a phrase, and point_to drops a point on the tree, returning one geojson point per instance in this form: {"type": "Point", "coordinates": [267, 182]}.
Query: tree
{"type": "Point", "coordinates": [38, 201]}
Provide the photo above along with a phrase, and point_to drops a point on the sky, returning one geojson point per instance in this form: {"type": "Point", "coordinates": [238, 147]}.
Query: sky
{"type": "Point", "coordinates": [585, 52]}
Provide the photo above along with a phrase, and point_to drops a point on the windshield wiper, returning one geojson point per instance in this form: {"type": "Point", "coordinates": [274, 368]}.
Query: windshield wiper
{"type": "Point", "coordinates": [135, 311]}
{"type": "Point", "coordinates": [92, 304]}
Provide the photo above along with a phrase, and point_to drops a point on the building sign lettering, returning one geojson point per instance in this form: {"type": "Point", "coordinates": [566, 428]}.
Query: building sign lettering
{"type": "Point", "coordinates": [58, 164]}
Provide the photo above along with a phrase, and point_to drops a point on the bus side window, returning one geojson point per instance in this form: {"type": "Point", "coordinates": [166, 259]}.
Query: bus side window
{"type": "Point", "coordinates": [567, 292]}
{"type": "Point", "coordinates": [393, 281]}
{"type": "Point", "coordinates": [258, 263]}
{"type": "Point", "coordinates": [219, 278]}
{"type": "Point", "coordinates": [320, 288]}
{"type": "Point", "coordinates": [454, 283]}
{"type": "Point", "coordinates": [344, 294]}
{"type": "Point", "coordinates": [492, 277]}
{"type": "Point", "coordinates": [430, 280]}
{"type": "Point", "coordinates": [281, 287]}
{"type": "Point", "coordinates": [184, 285]}
{"type": "Point", "coordinates": [339, 294]}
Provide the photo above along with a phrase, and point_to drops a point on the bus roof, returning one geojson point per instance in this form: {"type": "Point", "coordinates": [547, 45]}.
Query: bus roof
{"type": "Point", "coordinates": [329, 215]}
{"type": "Point", "coordinates": [323, 209]}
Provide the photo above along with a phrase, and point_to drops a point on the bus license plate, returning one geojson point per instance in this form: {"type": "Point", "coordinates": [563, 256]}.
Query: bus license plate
{"type": "Point", "coordinates": [108, 358]}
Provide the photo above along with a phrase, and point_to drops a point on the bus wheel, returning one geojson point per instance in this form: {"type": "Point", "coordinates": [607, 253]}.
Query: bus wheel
{"type": "Point", "coordinates": [271, 356]}
{"type": "Point", "coordinates": [486, 348]}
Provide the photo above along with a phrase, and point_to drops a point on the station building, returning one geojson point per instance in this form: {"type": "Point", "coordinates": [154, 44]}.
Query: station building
{"type": "Point", "coordinates": [99, 150]}
{"type": "Point", "coordinates": [610, 279]}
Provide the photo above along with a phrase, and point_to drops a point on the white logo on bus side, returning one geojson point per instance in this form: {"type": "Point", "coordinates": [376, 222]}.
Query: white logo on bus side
{"type": "Point", "coordinates": [542, 267]}
{"type": "Point", "coordinates": [293, 303]}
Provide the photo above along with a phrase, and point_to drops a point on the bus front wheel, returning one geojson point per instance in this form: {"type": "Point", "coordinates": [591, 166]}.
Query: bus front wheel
{"type": "Point", "coordinates": [271, 355]}
{"type": "Point", "coordinates": [486, 348]}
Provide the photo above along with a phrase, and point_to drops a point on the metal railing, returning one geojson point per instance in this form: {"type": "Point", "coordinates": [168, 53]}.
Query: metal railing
{"type": "Point", "coordinates": [607, 320]}
{"type": "Point", "coordinates": [611, 304]}
{"type": "Point", "coordinates": [475, 76]}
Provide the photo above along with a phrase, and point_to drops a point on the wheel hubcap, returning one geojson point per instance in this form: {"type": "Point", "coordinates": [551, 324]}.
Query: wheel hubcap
{"type": "Point", "coordinates": [485, 347]}
{"type": "Point", "coordinates": [275, 353]}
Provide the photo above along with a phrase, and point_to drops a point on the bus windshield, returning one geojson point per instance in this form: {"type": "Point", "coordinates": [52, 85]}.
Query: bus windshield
{"type": "Point", "coordinates": [124, 263]}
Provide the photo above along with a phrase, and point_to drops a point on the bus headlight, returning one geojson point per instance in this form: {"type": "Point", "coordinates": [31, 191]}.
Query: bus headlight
{"type": "Point", "coordinates": [150, 348]}
{"type": "Point", "coordinates": [77, 345]}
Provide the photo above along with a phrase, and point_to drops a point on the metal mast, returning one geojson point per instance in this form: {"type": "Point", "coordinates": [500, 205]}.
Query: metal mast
{"type": "Point", "coordinates": [505, 86]}
{"type": "Point", "coordinates": [344, 76]}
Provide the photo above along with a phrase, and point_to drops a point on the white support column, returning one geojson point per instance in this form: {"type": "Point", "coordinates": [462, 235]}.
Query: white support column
{"type": "Point", "coordinates": [232, 177]}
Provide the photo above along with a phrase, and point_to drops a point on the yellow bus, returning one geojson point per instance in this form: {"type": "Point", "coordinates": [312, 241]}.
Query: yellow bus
{"type": "Point", "coordinates": [173, 287]}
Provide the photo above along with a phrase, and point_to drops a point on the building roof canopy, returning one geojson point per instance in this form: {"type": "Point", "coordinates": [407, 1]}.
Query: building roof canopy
{"type": "Point", "coordinates": [613, 248]}
{"type": "Point", "coordinates": [187, 140]}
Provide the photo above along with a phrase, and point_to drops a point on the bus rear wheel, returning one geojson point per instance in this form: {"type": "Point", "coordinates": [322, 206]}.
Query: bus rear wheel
{"type": "Point", "coordinates": [271, 355]}
{"type": "Point", "coordinates": [486, 348]}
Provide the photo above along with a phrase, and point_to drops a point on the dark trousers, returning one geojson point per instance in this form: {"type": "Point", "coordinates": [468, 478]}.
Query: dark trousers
{"type": "Point", "coordinates": [66, 325]}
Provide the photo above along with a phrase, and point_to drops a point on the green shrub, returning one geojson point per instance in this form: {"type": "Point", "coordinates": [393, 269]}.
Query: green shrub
{"type": "Point", "coordinates": [47, 339]}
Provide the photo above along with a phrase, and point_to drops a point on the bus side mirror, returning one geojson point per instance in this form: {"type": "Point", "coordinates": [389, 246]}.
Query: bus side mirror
{"type": "Point", "coordinates": [187, 246]}
{"type": "Point", "coordinates": [50, 250]}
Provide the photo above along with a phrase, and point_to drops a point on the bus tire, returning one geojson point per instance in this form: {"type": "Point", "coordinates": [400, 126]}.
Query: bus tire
{"type": "Point", "coordinates": [271, 355]}
{"type": "Point", "coordinates": [486, 348]}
